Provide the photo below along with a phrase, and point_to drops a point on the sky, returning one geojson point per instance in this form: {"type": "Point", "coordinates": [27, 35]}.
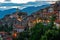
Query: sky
{"type": "Point", "coordinates": [22, 1]}
{"type": "Point", "coordinates": [19, 2]}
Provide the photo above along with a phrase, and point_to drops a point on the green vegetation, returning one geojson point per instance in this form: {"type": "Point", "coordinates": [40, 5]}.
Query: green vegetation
{"type": "Point", "coordinates": [6, 28]}
{"type": "Point", "coordinates": [38, 32]}
{"type": "Point", "coordinates": [43, 32]}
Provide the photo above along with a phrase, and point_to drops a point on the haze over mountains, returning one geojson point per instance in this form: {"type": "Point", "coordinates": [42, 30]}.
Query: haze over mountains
{"type": "Point", "coordinates": [15, 5]}
{"type": "Point", "coordinates": [28, 10]}
{"type": "Point", "coordinates": [30, 7]}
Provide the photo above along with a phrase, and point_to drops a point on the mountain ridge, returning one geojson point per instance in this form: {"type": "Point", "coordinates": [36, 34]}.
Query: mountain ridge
{"type": "Point", "coordinates": [28, 10]}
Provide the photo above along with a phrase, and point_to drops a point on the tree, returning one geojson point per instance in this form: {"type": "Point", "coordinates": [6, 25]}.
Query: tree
{"type": "Point", "coordinates": [11, 27]}
{"type": "Point", "coordinates": [24, 35]}
{"type": "Point", "coordinates": [36, 32]}
{"type": "Point", "coordinates": [1, 27]}
{"type": "Point", "coordinates": [39, 29]}
{"type": "Point", "coordinates": [52, 19]}
{"type": "Point", "coordinates": [7, 28]}
{"type": "Point", "coordinates": [51, 35]}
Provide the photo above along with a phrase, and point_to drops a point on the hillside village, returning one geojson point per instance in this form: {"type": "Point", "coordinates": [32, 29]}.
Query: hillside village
{"type": "Point", "coordinates": [20, 20]}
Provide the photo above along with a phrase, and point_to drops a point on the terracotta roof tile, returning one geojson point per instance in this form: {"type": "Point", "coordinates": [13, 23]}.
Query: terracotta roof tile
{"type": "Point", "coordinates": [3, 32]}
{"type": "Point", "coordinates": [19, 26]}
{"type": "Point", "coordinates": [57, 21]}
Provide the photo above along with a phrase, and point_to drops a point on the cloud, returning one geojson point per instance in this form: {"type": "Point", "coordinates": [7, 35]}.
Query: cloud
{"type": "Point", "coordinates": [49, 1]}
{"type": "Point", "coordinates": [21, 6]}
{"type": "Point", "coordinates": [1, 0]}
{"type": "Point", "coordinates": [17, 1]}
{"type": "Point", "coordinates": [22, 1]}
{"type": "Point", "coordinates": [10, 7]}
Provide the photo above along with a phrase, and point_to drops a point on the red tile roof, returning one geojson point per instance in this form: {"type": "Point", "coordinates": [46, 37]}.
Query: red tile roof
{"type": "Point", "coordinates": [57, 21]}
{"type": "Point", "coordinates": [3, 33]}
{"type": "Point", "coordinates": [19, 26]}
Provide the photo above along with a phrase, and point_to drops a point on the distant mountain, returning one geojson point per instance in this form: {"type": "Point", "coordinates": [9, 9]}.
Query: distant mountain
{"type": "Point", "coordinates": [29, 10]}
{"type": "Point", "coordinates": [5, 12]}
{"type": "Point", "coordinates": [32, 9]}
{"type": "Point", "coordinates": [0, 11]}
{"type": "Point", "coordinates": [5, 6]}
{"type": "Point", "coordinates": [24, 4]}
